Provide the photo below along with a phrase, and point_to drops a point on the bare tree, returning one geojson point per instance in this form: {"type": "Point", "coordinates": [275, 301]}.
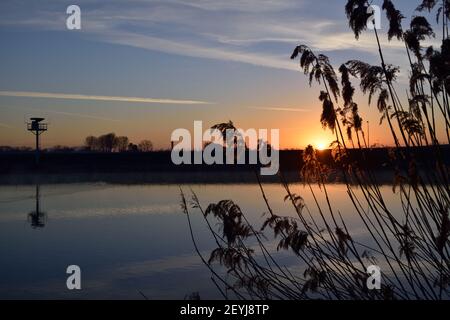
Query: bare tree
{"type": "Point", "coordinates": [107, 142]}
{"type": "Point", "coordinates": [122, 143]}
{"type": "Point", "coordinates": [91, 143]}
{"type": "Point", "coordinates": [145, 146]}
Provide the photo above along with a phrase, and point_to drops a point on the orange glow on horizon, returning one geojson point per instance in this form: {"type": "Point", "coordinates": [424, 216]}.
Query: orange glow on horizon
{"type": "Point", "coordinates": [320, 146]}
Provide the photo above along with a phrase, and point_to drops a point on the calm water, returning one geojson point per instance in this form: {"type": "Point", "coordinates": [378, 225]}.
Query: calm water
{"type": "Point", "coordinates": [125, 238]}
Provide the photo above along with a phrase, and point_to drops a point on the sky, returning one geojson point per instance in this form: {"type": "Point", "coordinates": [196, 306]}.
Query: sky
{"type": "Point", "coordinates": [143, 68]}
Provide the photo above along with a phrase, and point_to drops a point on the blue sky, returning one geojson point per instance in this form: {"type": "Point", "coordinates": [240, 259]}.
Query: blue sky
{"type": "Point", "coordinates": [231, 56]}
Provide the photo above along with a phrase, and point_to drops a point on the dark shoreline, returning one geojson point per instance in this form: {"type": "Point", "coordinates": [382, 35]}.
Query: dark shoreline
{"type": "Point", "coordinates": [156, 167]}
{"type": "Point", "coordinates": [290, 160]}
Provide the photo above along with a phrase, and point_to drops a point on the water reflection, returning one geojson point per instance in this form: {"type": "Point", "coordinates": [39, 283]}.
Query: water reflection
{"type": "Point", "coordinates": [128, 238]}
{"type": "Point", "coordinates": [37, 218]}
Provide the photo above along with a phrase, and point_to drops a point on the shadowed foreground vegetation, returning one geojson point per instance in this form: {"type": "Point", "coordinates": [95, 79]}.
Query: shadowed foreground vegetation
{"type": "Point", "coordinates": [412, 245]}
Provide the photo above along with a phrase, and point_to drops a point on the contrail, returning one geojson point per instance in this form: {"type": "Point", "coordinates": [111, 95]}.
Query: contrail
{"type": "Point", "coordinates": [49, 95]}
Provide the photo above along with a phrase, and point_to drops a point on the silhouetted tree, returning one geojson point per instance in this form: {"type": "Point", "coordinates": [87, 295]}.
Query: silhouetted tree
{"type": "Point", "coordinates": [107, 142]}
{"type": "Point", "coordinates": [122, 143]}
{"type": "Point", "coordinates": [132, 147]}
{"type": "Point", "coordinates": [91, 143]}
{"type": "Point", "coordinates": [145, 146]}
{"type": "Point", "coordinates": [223, 127]}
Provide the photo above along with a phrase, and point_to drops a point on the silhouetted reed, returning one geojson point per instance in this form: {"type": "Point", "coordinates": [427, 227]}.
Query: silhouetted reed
{"type": "Point", "coordinates": [413, 244]}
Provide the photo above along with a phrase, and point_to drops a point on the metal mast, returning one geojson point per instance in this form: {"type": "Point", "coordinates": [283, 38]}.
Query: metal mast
{"type": "Point", "coordinates": [37, 128]}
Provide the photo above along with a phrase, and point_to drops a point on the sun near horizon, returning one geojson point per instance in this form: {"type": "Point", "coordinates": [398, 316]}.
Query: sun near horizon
{"type": "Point", "coordinates": [320, 146]}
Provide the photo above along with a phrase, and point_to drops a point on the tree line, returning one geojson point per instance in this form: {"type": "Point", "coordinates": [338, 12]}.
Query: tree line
{"type": "Point", "coordinates": [110, 142]}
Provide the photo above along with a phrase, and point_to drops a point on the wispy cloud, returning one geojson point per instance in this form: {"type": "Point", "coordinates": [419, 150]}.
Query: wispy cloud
{"type": "Point", "coordinates": [4, 125]}
{"type": "Point", "coordinates": [280, 109]}
{"type": "Point", "coordinates": [227, 30]}
{"type": "Point", "coordinates": [199, 51]}
{"type": "Point", "coordinates": [251, 6]}
{"type": "Point", "coordinates": [48, 95]}
{"type": "Point", "coordinates": [257, 32]}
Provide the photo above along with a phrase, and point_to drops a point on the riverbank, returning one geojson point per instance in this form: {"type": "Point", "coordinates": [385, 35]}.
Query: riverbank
{"type": "Point", "coordinates": [157, 161]}
{"type": "Point", "coordinates": [157, 167]}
